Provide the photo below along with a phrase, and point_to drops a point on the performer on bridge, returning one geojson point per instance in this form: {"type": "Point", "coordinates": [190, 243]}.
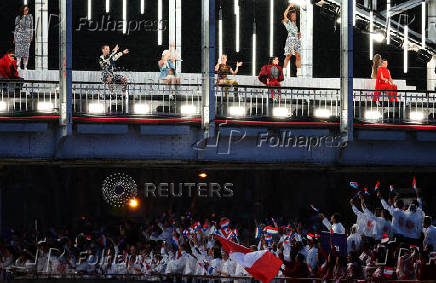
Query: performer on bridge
{"type": "Point", "coordinates": [23, 36]}
{"type": "Point", "coordinates": [272, 75]}
{"type": "Point", "coordinates": [293, 42]}
{"type": "Point", "coordinates": [108, 67]}
{"type": "Point", "coordinates": [167, 66]}
{"type": "Point", "coordinates": [223, 70]}
{"type": "Point", "coordinates": [376, 62]}
{"type": "Point", "coordinates": [385, 82]}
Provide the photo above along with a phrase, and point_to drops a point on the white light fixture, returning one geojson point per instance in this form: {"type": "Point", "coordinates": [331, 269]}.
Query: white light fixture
{"type": "Point", "coordinates": [371, 30]}
{"type": "Point", "coordinates": [237, 11]}
{"type": "Point", "coordinates": [281, 112]}
{"type": "Point", "coordinates": [43, 106]}
{"type": "Point", "coordinates": [388, 18]}
{"type": "Point", "coordinates": [406, 48]}
{"type": "Point", "coordinates": [237, 111]}
{"type": "Point", "coordinates": [322, 113]}
{"type": "Point", "coordinates": [107, 6]}
{"type": "Point", "coordinates": [354, 12]}
{"type": "Point", "coordinates": [373, 115]}
{"type": "Point", "coordinates": [3, 106]}
{"type": "Point", "coordinates": [416, 116]}
{"type": "Point", "coordinates": [25, 2]}
{"type": "Point", "coordinates": [254, 55]}
{"type": "Point", "coordinates": [159, 18]}
{"type": "Point", "coordinates": [89, 10]}
{"type": "Point", "coordinates": [96, 108]}
{"type": "Point", "coordinates": [141, 108]}
{"type": "Point", "coordinates": [142, 7]}
{"type": "Point", "coordinates": [271, 29]}
{"type": "Point", "coordinates": [220, 37]}
{"type": "Point", "coordinates": [124, 16]}
{"type": "Point", "coordinates": [188, 109]}
{"type": "Point", "coordinates": [378, 36]}
{"type": "Point", "coordinates": [423, 25]}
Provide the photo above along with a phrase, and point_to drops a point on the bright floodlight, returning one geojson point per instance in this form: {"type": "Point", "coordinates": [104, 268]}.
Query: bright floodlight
{"type": "Point", "coordinates": [141, 108]}
{"type": "Point", "coordinates": [379, 36]}
{"type": "Point", "coordinates": [96, 108]}
{"type": "Point", "coordinates": [280, 112]}
{"type": "Point", "coordinates": [133, 203]}
{"type": "Point", "coordinates": [89, 10]}
{"type": "Point", "coordinates": [416, 116]}
{"type": "Point", "coordinates": [107, 6]}
{"type": "Point", "coordinates": [44, 106]}
{"type": "Point", "coordinates": [160, 25]}
{"type": "Point", "coordinates": [373, 115]}
{"type": "Point", "coordinates": [406, 48]}
{"type": "Point", "coordinates": [124, 16]}
{"type": "Point", "coordinates": [237, 111]}
{"type": "Point", "coordinates": [202, 175]}
{"type": "Point", "coordinates": [188, 109]}
{"type": "Point", "coordinates": [323, 113]}
{"type": "Point", "coordinates": [3, 106]}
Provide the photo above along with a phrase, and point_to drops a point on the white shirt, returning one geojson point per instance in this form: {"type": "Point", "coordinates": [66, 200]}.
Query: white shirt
{"type": "Point", "coordinates": [354, 242]}
{"type": "Point", "coordinates": [413, 225]}
{"type": "Point", "coordinates": [365, 224]}
{"type": "Point", "coordinates": [337, 228]}
{"type": "Point", "coordinates": [398, 218]}
{"type": "Point", "coordinates": [430, 236]}
{"type": "Point", "coordinates": [381, 227]}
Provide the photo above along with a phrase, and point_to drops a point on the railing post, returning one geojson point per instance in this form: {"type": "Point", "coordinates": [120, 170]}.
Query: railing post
{"type": "Point", "coordinates": [347, 70]}
{"type": "Point", "coordinates": [208, 68]}
{"type": "Point", "coordinates": [65, 59]}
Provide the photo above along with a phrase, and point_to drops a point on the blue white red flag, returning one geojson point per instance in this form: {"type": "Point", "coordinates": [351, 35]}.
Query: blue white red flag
{"type": "Point", "coordinates": [271, 230]}
{"type": "Point", "coordinates": [354, 185]}
{"type": "Point", "coordinates": [414, 183]}
{"type": "Point", "coordinates": [224, 223]}
{"type": "Point", "coordinates": [377, 186]}
{"type": "Point", "coordinates": [208, 268]}
{"type": "Point", "coordinates": [175, 240]}
{"type": "Point", "coordinates": [268, 238]}
{"type": "Point", "coordinates": [257, 233]}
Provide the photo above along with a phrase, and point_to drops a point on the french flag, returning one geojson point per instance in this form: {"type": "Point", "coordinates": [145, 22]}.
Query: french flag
{"type": "Point", "coordinates": [391, 188]}
{"type": "Point", "coordinates": [354, 185]}
{"type": "Point", "coordinates": [377, 186]}
{"type": "Point", "coordinates": [257, 233]}
{"type": "Point", "coordinates": [186, 233]}
{"type": "Point", "coordinates": [414, 184]}
{"type": "Point", "coordinates": [225, 223]}
{"type": "Point", "coordinates": [271, 230]}
{"type": "Point", "coordinates": [175, 241]}
{"type": "Point", "coordinates": [262, 265]}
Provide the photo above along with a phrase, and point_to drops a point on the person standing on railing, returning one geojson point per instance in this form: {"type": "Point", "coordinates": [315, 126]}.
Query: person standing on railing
{"type": "Point", "coordinates": [23, 36]}
{"type": "Point", "coordinates": [107, 64]}
{"type": "Point", "coordinates": [293, 42]}
{"type": "Point", "coordinates": [8, 66]}
{"type": "Point", "coordinates": [272, 75]}
{"type": "Point", "coordinates": [224, 70]}
{"type": "Point", "coordinates": [385, 82]}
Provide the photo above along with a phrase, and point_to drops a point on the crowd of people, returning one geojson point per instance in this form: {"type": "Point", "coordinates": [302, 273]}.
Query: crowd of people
{"type": "Point", "coordinates": [392, 240]}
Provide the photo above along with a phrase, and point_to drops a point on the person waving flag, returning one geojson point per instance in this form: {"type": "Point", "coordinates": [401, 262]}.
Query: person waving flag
{"type": "Point", "coordinates": [262, 265]}
{"type": "Point", "coordinates": [377, 186]}
{"type": "Point", "coordinates": [414, 184]}
{"type": "Point", "coordinates": [354, 185]}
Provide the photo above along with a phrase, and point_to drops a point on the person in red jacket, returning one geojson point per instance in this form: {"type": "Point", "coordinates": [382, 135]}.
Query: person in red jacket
{"type": "Point", "coordinates": [385, 82]}
{"type": "Point", "coordinates": [8, 66]}
{"type": "Point", "coordinates": [272, 75]}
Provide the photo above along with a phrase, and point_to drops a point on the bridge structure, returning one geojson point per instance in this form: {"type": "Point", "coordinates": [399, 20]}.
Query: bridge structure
{"type": "Point", "coordinates": [71, 117]}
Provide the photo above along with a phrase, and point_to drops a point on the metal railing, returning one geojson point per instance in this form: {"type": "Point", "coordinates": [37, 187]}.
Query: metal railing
{"type": "Point", "coordinates": [29, 97]}
{"type": "Point", "coordinates": [41, 98]}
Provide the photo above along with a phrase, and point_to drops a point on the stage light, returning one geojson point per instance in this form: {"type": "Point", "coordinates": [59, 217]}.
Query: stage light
{"type": "Point", "coordinates": [96, 108]}
{"type": "Point", "coordinates": [423, 56]}
{"type": "Point", "coordinates": [281, 112]}
{"type": "Point", "coordinates": [220, 37]}
{"type": "Point", "coordinates": [107, 6]}
{"type": "Point", "coordinates": [202, 175]}
{"type": "Point", "coordinates": [254, 55]}
{"type": "Point", "coordinates": [322, 113]}
{"type": "Point", "coordinates": [141, 108]}
{"type": "Point", "coordinates": [142, 7]}
{"type": "Point", "coordinates": [416, 116]}
{"type": "Point", "coordinates": [3, 106]}
{"type": "Point", "coordinates": [373, 115]}
{"type": "Point", "coordinates": [124, 16]}
{"type": "Point", "coordinates": [271, 29]}
{"type": "Point", "coordinates": [354, 13]}
{"type": "Point", "coordinates": [133, 203]}
{"type": "Point", "coordinates": [371, 30]}
{"type": "Point", "coordinates": [237, 11]}
{"type": "Point", "coordinates": [188, 109]}
{"type": "Point", "coordinates": [423, 25]}
{"type": "Point", "coordinates": [388, 19]}
{"type": "Point", "coordinates": [237, 111]}
{"type": "Point", "coordinates": [406, 48]}
{"type": "Point", "coordinates": [159, 18]}
{"type": "Point", "coordinates": [44, 106]}
{"type": "Point", "coordinates": [89, 10]}
{"type": "Point", "coordinates": [25, 2]}
{"type": "Point", "coordinates": [379, 36]}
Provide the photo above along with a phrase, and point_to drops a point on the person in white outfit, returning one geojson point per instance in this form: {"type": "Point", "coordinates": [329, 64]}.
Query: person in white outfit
{"type": "Point", "coordinates": [334, 225]}
{"type": "Point", "coordinates": [429, 231]}
{"type": "Point", "coordinates": [398, 215]}
{"type": "Point", "coordinates": [354, 241]}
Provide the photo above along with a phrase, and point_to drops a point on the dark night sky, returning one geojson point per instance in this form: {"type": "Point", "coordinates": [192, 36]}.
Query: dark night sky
{"type": "Point", "coordinates": [145, 52]}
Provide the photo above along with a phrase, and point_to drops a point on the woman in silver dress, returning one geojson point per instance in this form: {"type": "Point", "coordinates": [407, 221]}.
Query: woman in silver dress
{"type": "Point", "coordinates": [293, 42]}
{"type": "Point", "coordinates": [23, 36]}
